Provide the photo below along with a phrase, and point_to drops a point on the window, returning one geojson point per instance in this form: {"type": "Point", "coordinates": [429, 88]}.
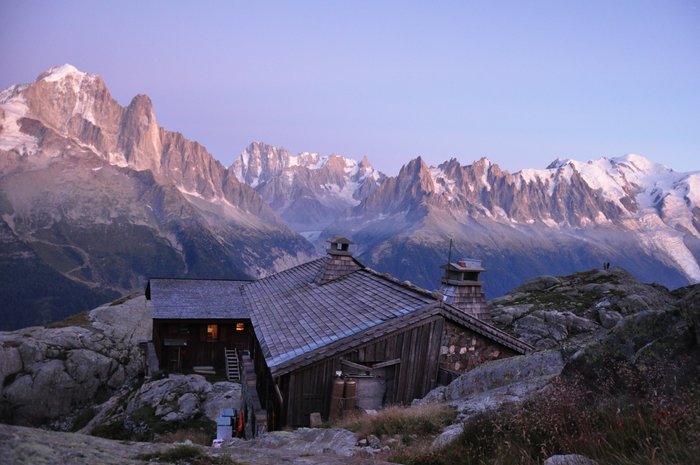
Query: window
{"type": "Point", "coordinates": [212, 332]}
{"type": "Point", "coordinates": [240, 326]}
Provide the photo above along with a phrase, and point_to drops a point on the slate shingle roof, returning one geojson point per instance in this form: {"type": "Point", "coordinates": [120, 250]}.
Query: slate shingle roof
{"type": "Point", "coordinates": [196, 299]}
{"type": "Point", "coordinates": [292, 315]}
{"type": "Point", "coordinates": [298, 319]}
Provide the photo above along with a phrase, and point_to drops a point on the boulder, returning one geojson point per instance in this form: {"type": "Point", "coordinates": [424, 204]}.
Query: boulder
{"type": "Point", "coordinates": [176, 397]}
{"type": "Point", "coordinates": [450, 434]}
{"type": "Point", "coordinates": [503, 381]}
{"type": "Point", "coordinates": [506, 372]}
{"type": "Point", "coordinates": [10, 362]}
{"type": "Point", "coordinates": [222, 395]}
{"type": "Point", "coordinates": [570, 459]}
{"type": "Point", "coordinates": [52, 373]}
{"type": "Point", "coordinates": [608, 318]}
{"type": "Point", "coordinates": [540, 283]}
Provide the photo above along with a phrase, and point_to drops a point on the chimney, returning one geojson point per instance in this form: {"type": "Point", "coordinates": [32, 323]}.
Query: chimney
{"type": "Point", "coordinates": [461, 288]}
{"type": "Point", "coordinates": [339, 261]}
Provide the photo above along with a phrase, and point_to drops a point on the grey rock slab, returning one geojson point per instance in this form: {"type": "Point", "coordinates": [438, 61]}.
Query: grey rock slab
{"type": "Point", "coordinates": [538, 284]}
{"type": "Point", "coordinates": [504, 372]}
{"type": "Point", "coordinates": [311, 441]}
{"type": "Point", "coordinates": [188, 404]}
{"type": "Point", "coordinates": [10, 362]}
{"type": "Point", "coordinates": [448, 435]}
{"type": "Point", "coordinates": [222, 395]}
{"type": "Point", "coordinates": [608, 318]}
{"type": "Point", "coordinates": [570, 459]}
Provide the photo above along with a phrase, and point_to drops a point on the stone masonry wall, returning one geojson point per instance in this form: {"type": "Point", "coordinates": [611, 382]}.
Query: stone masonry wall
{"type": "Point", "coordinates": [462, 349]}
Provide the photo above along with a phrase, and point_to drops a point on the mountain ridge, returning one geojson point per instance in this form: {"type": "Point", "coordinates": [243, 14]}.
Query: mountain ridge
{"type": "Point", "coordinates": [103, 196]}
{"type": "Point", "coordinates": [65, 133]}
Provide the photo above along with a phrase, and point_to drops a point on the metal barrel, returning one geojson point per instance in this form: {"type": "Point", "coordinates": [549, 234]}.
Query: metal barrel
{"type": "Point", "coordinates": [336, 399]}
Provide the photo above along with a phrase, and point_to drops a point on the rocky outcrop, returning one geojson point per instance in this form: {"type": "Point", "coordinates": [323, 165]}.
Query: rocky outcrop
{"type": "Point", "coordinates": [652, 349]}
{"type": "Point", "coordinates": [661, 343]}
{"type": "Point", "coordinates": [551, 312]}
{"type": "Point", "coordinates": [50, 374]}
{"type": "Point", "coordinates": [182, 397]}
{"type": "Point", "coordinates": [492, 385]}
{"type": "Point", "coordinates": [162, 406]}
{"type": "Point", "coordinates": [313, 447]}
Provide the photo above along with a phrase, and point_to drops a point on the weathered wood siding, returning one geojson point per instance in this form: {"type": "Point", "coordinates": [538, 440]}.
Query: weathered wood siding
{"type": "Point", "coordinates": [308, 389]}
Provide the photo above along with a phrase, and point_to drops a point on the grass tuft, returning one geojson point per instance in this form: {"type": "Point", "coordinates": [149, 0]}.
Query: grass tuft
{"type": "Point", "coordinates": [424, 420]}
{"type": "Point", "coordinates": [79, 319]}
{"type": "Point", "coordinates": [187, 454]}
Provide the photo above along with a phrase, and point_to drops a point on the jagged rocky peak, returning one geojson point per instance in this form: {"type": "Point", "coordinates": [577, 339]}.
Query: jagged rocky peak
{"type": "Point", "coordinates": [140, 139]}
{"type": "Point", "coordinates": [63, 93]}
{"type": "Point", "coordinates": [308, 190]}
{"type": "Point", "coordinates": [260, 162]}
{"type": "Point", "coordinates": [415, 175]}
{"type": "Point", "coordinates": [558, 163]}
{"type": "Point", "coordinates": [65, 106]}
{"type": "Point", "coordinates": [58, 73]}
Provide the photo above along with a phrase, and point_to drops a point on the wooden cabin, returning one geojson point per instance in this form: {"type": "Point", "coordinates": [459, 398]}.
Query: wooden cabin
{"type": "Point", "coordinates": [334, 317]}
{"type": "Point", "coordinates": [194, 320]}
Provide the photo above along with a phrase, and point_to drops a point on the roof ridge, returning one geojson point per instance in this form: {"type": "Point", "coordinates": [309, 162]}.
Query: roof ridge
{"type": "Point", "coordinates": [160, 278]}
{"type": "Point", "coordinates": [405, 284]}
{"type": "Point", "coordinates": [290, 269]}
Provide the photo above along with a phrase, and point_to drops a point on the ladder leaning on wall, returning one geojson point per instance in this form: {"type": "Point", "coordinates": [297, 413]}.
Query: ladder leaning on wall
{"type": "Point", "coordinates": [233, 370]}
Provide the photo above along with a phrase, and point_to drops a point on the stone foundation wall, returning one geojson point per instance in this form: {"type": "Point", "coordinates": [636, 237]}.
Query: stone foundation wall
{"type": "Point", "coordinates": [462, 349]}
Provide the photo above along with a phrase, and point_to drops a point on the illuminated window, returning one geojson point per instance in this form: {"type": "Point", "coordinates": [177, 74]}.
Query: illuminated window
{"type": "Point", "coordinates": [212, 332]}
{"type": "Point", "coordinates": [240, 326]}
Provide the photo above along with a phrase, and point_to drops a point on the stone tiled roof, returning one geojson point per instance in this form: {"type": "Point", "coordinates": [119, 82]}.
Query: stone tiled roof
{"type": "Point", "coordinates": [293, 315]}
{"type": "Point", "coordinates": [196, 299]}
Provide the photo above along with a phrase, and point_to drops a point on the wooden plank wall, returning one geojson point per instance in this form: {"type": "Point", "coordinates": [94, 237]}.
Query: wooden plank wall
{"type": "Point", "coordinates": [308, 389]}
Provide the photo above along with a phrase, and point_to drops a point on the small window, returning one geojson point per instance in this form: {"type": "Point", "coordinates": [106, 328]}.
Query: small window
{"type": "Point", "coordinates": [212, 332]}
{"type": "Point", "coordinates": [240, 326]}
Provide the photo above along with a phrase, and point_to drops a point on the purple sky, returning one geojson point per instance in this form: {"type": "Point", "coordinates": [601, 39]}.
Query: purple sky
{"type": "Point", "coordinates": [521, 82]}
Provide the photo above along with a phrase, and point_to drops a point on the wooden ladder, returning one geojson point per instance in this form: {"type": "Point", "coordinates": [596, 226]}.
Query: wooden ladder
{"type": "Point", "coordinates": [233, 370]}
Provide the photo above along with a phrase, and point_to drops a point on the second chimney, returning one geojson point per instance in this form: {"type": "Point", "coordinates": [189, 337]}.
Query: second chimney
{"type": "Point", "coordinates": [461, 288]}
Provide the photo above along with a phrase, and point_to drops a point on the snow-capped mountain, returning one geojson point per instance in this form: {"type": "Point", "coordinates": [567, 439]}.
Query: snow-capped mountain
{"type": "Point", "coordinates": [94, 197]}
{"type": "Point", "coordinates": [572, 214]}
{"type": "Point", "coordinates": [308, 190]}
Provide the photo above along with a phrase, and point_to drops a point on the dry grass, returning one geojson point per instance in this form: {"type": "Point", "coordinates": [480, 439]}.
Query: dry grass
{"type": "Point", "coordinates": [648, 424]}
{"type": "Point", "coordinates": [420, 421]}
{"type": "Point", "coordinates": [79, 319]}
{"type": "Point", "coordinates": [187, 455]}
{"type": "Point", "coordinates": [181, 435]}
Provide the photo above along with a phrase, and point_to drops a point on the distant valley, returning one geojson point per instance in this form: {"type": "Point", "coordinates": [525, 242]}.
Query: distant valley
{"type": "Point", "coordinates": [95, 197]}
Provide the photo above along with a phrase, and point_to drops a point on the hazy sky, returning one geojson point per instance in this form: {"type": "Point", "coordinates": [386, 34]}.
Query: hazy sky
{"type": "Point", "coordinates": [521, 82]}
